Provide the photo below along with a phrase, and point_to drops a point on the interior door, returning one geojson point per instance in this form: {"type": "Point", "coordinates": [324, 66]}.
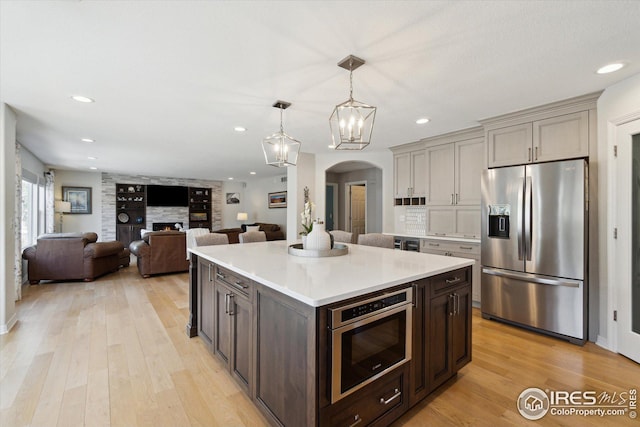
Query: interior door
{"type": "Point", "coordinates": [627, 244]}
{"type": "Point", "coordinates": [330, 207]}
{"type": "Point", "coordinates": [358, 209]}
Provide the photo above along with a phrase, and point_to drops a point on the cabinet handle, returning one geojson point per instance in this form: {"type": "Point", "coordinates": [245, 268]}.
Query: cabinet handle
{"type": "Point", "coordinates": [220, 276]}
{"type": "Point", "coordinates": [415, 293]}
{"type": "Point", "coordinates": [454, 280]}
{"type": "Point", "coordinates": [536, 156]}
{"type": "Point", "coordinates": [210, 273]}
{"type": "Point", "coordinates": [452, 304]}
{"type": "Point", "coordinates": [240, 285]}
{"type": "Point", "coordinates": [457, 198]}
{"type": "Point", "coordinates": [434, 244]}
{"type": "Point", "coordinates": [397, 394]}
{"type": "Point", "coordinates": [357, 420]}
{"type": "Point", "coordinates": [468, 248]}
{"type": "Point", "coordinates": [231, 304]}
{"type": "Point", "coordinates": [452, 199]}
{"type": "Point", "coordinates": [457, 303]}
{"type": "Point", "coordinates": [439, 234]}
{"type": "Point", "coordinates": [529, 156]}
{"type": "Point", "coordinates": [226, 303]}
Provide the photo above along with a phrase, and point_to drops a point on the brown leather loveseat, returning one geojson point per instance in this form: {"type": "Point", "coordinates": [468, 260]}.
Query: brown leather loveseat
{"type": "Point", "coordinates": [161, 252]}
{"type": "Point", "coordinates": [71, 256]}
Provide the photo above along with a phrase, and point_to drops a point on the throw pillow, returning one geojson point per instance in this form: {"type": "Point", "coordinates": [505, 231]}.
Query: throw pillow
{"type": "Point", "coordinates": [253, 228]}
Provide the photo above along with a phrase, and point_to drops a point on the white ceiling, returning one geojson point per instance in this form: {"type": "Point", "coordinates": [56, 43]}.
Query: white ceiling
{"type": "Point", "coordinates": [171, 79]}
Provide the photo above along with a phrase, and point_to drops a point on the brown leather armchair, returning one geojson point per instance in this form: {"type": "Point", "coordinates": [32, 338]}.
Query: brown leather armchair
{"type": "Point", "coordinates": [71, 256]}
{"type": "Point", "coordinates": [161, 252]}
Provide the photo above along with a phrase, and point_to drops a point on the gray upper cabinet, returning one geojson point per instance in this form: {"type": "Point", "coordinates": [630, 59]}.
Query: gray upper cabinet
{"type": "Point", "coordinates": [454, 171]}
{"type": "Point", "coordinates": [561, 137]}
{"type": "Point", "coordinates": [510, 145]}
{"type": "Point", "coordinates": [409, 174]}
{"type": "Point", "coordinates": [557, 131]}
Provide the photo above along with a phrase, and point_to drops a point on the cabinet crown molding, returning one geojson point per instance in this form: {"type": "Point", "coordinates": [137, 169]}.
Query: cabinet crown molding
{"type": "Point", "coordinates": [541, 112]}
{"type": "Point", "coordinates": [445, 138]}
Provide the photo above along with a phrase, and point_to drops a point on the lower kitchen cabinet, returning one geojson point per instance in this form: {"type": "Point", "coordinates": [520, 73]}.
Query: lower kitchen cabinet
{"type": "Point", "coordinates": [233, 323]}
{"type": "Point", "coordinates": [225, 321]}
{"type": "Point", "coordinates": [469, 250]}
{"type": "Point", "coordinates": [442, 331]}
{"type": "Point", "coordinates": [205, 302]}
{"type": "Point", "coordinates": [378, 404]}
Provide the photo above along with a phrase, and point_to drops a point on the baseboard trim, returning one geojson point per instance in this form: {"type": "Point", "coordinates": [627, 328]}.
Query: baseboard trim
{"type": "Point", "coordinates": [4, 329]}
{"type": "Point", "coordinates": [603, 342]}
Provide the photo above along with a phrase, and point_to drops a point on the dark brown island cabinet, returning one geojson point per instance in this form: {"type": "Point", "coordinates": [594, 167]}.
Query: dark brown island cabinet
{"type": "Point", "coordinates": [279, 349]}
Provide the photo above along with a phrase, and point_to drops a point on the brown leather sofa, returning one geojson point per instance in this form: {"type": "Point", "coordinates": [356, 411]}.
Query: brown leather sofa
{"type": "Point", "coordinates": [161, 252]}
{"type": "Point", "coordinates": [72, 256]}
{"type": "Point", "coordinates": [272, 231]}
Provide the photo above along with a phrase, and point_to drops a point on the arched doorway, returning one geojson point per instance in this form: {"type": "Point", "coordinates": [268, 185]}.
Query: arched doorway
{"type": "Point", "coordinates": [354, 197]}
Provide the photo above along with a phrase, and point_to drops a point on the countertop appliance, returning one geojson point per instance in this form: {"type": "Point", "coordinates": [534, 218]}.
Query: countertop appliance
{"type": "Point", "coordinates": [534, 247]}
{"type": "Point", "coordinates": [368, 339]}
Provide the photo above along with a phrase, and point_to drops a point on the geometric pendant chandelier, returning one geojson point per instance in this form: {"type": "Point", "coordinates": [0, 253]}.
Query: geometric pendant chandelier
{"type": "Point", "coordinates": [281, 150]}
{"type": "Point", "coordinates": [352, 121]}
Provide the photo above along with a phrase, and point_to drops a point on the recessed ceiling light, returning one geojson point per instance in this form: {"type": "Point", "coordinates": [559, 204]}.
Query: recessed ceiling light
{"type": "Point", "coordinates": [88, 140]}
{"type": "Point", "coordinates": [81, 98]}
{"type": "Point", "coordinates": [332, 146]}
{"type": "Point", "coordinates": [423, 120]}
{"type": "Point", "coordinates": [93, 168]}
{"type": "Point", "coordinates": [240, 129]}
{"type": "Point", "coordinates": [92, 158]}
{"type": "Point", "coordinates": [252, 173]}
{"type": "Point", "coordinates": [610, 68]}
{"type": "Point", "coordinates": [230, 178]}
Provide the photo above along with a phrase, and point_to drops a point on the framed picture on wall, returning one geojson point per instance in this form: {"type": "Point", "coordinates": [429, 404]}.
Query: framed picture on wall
{"type": "Point", "coordinates": [79, 197]}
{"type": "Point", "coordinates": [278, 199]}
{"type": "Point", "coordinates": [233, 198]}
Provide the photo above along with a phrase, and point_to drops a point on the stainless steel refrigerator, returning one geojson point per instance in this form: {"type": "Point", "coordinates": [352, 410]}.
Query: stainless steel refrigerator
{"type": "Point", "coordinates": [534, 247]}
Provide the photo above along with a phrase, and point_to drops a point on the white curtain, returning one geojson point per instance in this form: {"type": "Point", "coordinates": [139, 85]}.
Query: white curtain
{"type": "Point", "coordinates": [17, 226]}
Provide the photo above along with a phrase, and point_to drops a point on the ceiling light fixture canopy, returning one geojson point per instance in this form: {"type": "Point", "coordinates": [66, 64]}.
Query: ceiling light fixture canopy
{"type": "Point", "coordinates": [280, 149]}
{"type": "Point", "coordinates": [352, 121]}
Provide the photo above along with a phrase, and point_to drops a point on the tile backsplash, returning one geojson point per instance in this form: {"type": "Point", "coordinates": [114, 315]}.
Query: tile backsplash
{"type": "Point", "coordinates": [415, 222]}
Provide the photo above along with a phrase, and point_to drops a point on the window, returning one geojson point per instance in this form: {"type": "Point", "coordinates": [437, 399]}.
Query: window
{"type": "Point", "coordinates": [33, 205]}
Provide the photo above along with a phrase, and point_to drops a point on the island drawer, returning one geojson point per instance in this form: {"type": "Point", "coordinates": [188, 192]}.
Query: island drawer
{"type": "Point", "coordinates": [233, 280]}
{"type": "Point", "coordinates": [444, 282]}
{"type": "Point", "coordinates": [379, 404]}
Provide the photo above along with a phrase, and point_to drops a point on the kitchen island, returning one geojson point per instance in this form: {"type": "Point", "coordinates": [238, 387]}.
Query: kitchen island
{"type": "Point", "coordinates": [268, 316]}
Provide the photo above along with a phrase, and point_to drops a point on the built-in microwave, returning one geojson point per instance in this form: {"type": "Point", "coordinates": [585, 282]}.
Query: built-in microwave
{"type": "Point", "coordinates": [368, 339]}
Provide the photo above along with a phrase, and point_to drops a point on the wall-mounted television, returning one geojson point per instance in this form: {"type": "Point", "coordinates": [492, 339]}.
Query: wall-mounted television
{"type": "Point", "coordinates": [167, 195]}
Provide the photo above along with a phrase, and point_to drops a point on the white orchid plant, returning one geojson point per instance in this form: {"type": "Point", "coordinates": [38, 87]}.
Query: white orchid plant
{"type": "Point", "coordinates": [306, 214]}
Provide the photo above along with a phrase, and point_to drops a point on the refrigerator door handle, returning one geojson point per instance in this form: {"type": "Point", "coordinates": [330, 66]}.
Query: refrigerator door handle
{"type": "Point", "coordinates": [519, 222]}
{"type": "Point", "coordinates": [527, 277]}
{"type": "Point", "coordinates": [527, 218]}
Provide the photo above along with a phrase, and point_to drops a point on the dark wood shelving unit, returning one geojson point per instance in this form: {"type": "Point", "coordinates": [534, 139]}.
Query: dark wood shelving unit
{"type": "Point", "coordinates": [131, 211]}
{"type": "Point", "coordinates": [199, 207]}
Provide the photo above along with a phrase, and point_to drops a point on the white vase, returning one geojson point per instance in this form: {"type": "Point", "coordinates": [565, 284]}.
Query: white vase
{"type": "Point", "coordinates": [304, 241]}
{"type": "Point", "coordinates": [318, 239]}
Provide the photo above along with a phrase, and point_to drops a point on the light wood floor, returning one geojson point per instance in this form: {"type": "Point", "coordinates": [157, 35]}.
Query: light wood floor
{"type": "Point", "coordinates": [115, 352]}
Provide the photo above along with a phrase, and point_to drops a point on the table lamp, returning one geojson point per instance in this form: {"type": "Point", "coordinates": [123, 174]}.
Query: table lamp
{"type": "Point", "coordinates": [62, 207]}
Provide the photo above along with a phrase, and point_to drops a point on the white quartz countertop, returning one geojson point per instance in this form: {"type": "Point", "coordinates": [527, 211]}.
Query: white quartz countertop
{"type": "Point", "coordinates": [321, 281]}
